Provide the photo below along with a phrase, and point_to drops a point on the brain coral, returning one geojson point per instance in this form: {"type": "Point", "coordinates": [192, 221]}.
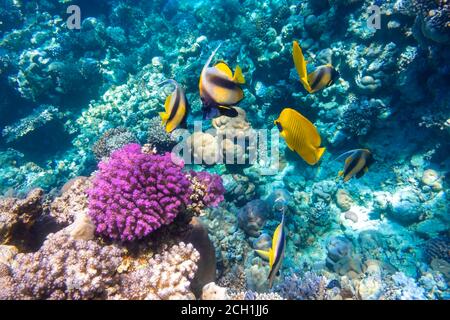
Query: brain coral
{"type": "Point", "coordinates": [135, 193]}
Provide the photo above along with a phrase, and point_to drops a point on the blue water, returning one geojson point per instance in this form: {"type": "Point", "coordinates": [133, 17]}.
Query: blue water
{"type": "Point", "coordinates": [62, 89]}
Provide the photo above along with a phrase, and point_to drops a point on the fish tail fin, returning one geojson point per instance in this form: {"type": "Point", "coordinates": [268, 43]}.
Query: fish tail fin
{"type": "Point", "coordinates": [238, 76]}
{"type": "Point", "coordinates": [319, 153]}
{"type": "Point", "coordinates": [300, 66]}
{"type": "Point", "coordinates": [264, 254]}
{"type": "Point", "coordinates": [164, 117]}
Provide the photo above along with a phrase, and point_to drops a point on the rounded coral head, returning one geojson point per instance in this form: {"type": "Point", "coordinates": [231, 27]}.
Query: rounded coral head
{"type": "Point", "coordinates": [135, 193]}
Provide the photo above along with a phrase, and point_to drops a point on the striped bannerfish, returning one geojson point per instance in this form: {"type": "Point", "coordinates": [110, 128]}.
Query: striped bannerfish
{"type": "Point", "coordinates": [220, 89]}
{"type": "Point", "coordinates": [356, 164]}
{"type": "Point", "coordinates": [176, 108]}
{"type": "Point", "coordinates": [320, 78]}
{"type": "Point", "coordinates": [301, 135]}
{"type": "Point", "coordinates": [275, 254]}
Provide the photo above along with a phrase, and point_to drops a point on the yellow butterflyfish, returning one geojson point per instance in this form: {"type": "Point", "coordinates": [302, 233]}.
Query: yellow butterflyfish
{"type": "Point", "coordinates": [301, 135]}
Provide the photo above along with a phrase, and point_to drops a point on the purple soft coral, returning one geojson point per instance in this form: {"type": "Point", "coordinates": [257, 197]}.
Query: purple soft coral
{"type": "Point", "coordinates": [135, 193]}
{"type": "Point", "coordinates": [213, 185]}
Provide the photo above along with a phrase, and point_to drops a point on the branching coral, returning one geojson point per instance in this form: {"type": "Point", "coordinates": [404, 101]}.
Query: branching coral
{"type": "Point", "coordinates": [207, 191]}
{"type": "Point", "coordinates": [308, 286]}
{"type": "Point", "coordinates": [166, 276]}
{"type": "Point", "coordinates": [135, 193]}
{"type": "Point", "coordinates": [66, 269]}
{"type": "Point", "coordinates": [112, 140]}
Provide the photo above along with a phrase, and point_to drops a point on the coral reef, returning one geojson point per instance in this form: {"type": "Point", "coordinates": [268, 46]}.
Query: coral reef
{"type": "Point", "coordinates": [112, 140]}
{"type": "Point", "coordinates": [142, 227]}
{"type": "Point", "coordinates": [135, 193]}
{"type": "Point", "coordinates": [158, 137]}
{"type": "Point", "coordinates": [164, 277]}
{"type": "Point", "coordinates": [65, 269]}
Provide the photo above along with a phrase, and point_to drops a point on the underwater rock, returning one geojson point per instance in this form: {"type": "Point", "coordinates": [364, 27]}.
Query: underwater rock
{"type": "Point", "coordinates": [158, 137]}
{"type": "Point", "coordinates": [350, 215]}
{"type": "Point", "coordinates": [211, 291]}
{"type": "Point", "coordinates": [73, 201]}
{"type": "Point", "coordinates": [17, 216]}
{"type": "Point", "coordinates": [206, 264]}
{"type": "Point", "coordinates": [279, 200]}
{"type": "Point", "coordinates": [341, 259]}
{"type": "Point", "coordinates": [343, 200]}
{"type": "Point", "coordinates": [431, 227]}
{"type": "Point", "coordinates": [239, 188]}
{"type": "Point", "coordinates": [252, 217]}
{"type": "Point", "coordinates": [405, 206]}
{"type": "Point", "coordinates": [431, 178]}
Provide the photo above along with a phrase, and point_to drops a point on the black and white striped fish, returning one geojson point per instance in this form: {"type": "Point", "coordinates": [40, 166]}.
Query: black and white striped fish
{"type": "Point", "coordinates": [176, 108]}
{"type": "Point", "coordinates": [356, 164]}
{"type": "Point", "coordinates": [220, 89]}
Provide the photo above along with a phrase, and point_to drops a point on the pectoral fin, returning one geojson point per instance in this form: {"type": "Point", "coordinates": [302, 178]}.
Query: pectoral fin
{"type": "Point", "coordinates": [264, 254]}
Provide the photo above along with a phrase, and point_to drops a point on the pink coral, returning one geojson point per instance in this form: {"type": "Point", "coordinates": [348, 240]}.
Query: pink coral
{"type": "Point", "coordinates": [135, 193]}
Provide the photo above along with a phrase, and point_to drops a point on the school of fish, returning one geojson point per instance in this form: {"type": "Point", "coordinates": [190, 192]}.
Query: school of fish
{"type": "Point", "coordinates": [221, 90]}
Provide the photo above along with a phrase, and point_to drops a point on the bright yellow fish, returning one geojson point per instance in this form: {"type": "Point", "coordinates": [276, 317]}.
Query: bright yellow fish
{"type": "Point", "coordinates": [320, 78]}
{"type": "Point", "coordinates": [301, 135]}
